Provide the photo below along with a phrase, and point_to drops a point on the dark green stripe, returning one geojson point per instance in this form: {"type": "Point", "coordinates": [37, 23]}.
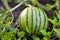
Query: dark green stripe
{"type": "Point", "coordinates": [19, 19]}
{"type": "Point", "coordinates": [27, 18]}
{"type": "Point", "coordinates": [44, 20]}
{"type": "Point", "coordinates": [40, 20]}
{"type": "Point", "coordinates": [36, 20]}
{"type": "Point", "coordinates": [31, 20]}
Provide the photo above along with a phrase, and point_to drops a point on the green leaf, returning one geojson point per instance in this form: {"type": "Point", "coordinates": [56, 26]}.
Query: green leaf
{"type": "Point", "coordinates": [34, 2]}
{"type": "Point", "coordinates": [49, 6]}
{"type": "Point", "coordinates": [47, 34]}
{"type": "Point", "coordinates": [13, 30]}
{"type": "Point", "coordinates": [58, 13]}
{"type": "Point", "coordinates": [6, 36]}
{"type": "Point", "coordinates": [21, 34]}
{"type": "Point", "coordinates": [43, 32]}
{"type": "Point", "coordinates": [57, 32]}
{"type": "Point", "coordinates": [45, 38]}
{"type": "Point", "coordinates": [24, 38]}
{"type": "Point", "coordinates": [18, 1]}
{"type": "Point", "coordinates": [19, 39]}
{"type": "Point", "coordinates": [54, 21]}
{"type": "Point", "coordinates": [35, 37]}
{"type": "Point", "coordinates": [1, 25]}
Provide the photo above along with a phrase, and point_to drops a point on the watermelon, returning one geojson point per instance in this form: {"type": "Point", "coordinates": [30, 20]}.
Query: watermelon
{"type": "Point", "coordinates": [32, 20]}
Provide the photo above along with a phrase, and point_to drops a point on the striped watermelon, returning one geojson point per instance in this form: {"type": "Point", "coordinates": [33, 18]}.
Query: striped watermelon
{"type": "Point", "coordinates": [32, 20]}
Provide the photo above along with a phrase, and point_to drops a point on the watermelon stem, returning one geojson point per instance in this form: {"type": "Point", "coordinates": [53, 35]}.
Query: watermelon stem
{"type": "Point", "coordinates": [35, 2]}
{"type": "Point", "coordinates": [27, 4]}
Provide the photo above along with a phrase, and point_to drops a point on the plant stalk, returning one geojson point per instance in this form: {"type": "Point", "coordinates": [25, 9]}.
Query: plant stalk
{"type": "Point", "coordinates": [7, 7]}
{"type": "Point", "coordinates": [6, 4]}
{"type": "Point", "coordinates": [57, 4]}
